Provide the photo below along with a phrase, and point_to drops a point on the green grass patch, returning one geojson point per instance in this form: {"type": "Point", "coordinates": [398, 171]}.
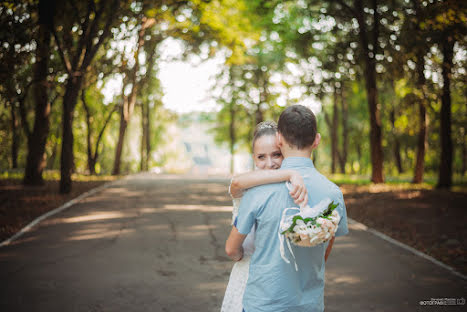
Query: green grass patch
{"type": "Point", "coordinates": [398, 182]}
{"type": "Point", "coordinates": [54, 175]}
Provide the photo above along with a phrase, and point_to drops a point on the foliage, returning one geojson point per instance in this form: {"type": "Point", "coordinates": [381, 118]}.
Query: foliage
{"type": "Point", "coordinates": [278, 53]}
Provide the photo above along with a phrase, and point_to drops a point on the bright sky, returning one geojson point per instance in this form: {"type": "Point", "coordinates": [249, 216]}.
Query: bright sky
{"type": "Point", "coordinates": [188, 84]}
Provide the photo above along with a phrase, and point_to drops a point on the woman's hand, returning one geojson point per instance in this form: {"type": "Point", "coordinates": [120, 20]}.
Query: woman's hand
{"type": "Point", "coordinates": [298, 192]}
{"type": "Point", "coordinates": [235, 189]}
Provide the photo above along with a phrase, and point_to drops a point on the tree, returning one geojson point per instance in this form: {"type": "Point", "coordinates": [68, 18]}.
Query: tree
{"type": "Point", "coordinates": [133, 80]}
{"type": "Point", "coordinates": [93, 150]}
{"type": "Point", "coordinates": [448, 21]}
{"type": "Point", "coordinates": [37, 138]}
{"type": "Point", "coordinates": [78, 37]}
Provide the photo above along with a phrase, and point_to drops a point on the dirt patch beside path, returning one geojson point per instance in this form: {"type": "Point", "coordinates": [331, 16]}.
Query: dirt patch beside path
{"type": "Point", "coordinates": [432, 221]}
{"type": "Point", "coordinates": [20, 204]}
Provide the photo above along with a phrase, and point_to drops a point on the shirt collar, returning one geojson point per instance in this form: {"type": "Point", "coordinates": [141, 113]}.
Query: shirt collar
{"type": "Point", "coordinates": [295, 162]}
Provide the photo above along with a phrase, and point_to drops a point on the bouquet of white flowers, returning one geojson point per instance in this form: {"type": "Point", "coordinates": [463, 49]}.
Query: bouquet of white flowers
{"type": "Point", "coordinates": [311, 226]}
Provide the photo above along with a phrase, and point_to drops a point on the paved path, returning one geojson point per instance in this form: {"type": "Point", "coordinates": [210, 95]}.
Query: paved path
{"type": "Point", "coordinates": [156, 243]}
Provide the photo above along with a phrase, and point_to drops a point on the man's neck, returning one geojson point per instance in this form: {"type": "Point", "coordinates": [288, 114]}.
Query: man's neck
{"type": "Point", "coordinates": [297, 153]}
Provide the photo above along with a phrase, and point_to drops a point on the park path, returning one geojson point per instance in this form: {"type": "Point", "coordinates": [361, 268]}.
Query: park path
{"type": "Point", "coordinates": [156, 243]}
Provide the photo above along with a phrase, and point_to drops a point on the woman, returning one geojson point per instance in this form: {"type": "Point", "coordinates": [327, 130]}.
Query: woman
{"type": "Point", "coordinates": [267, 157]}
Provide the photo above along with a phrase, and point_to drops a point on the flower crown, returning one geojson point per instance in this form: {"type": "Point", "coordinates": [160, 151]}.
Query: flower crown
{"type": "Point", "coordinates": [266, 125]}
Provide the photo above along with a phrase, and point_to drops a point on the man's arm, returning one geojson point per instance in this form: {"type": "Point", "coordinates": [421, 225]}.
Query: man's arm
{"type": "Point", "coordinates": [233, 245]}
{"type": "Point", "coordinates": [328, 250]}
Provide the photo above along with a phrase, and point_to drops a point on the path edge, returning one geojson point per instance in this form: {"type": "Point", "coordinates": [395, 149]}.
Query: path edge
{"type": "Point", "coordinates": [52, 212]}
{"type": "Point", "coordinates": [407, 247]}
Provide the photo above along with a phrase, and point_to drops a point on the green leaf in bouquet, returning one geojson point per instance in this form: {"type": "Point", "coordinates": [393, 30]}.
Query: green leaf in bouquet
{"type": "Point", "coordinates": [294, 223]}
{"type": "Point", "coordinates": [329, 210]}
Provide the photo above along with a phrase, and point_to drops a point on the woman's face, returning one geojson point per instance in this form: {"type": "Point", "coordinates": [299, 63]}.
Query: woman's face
{"type": "Point", "coordinates": [266, 153]}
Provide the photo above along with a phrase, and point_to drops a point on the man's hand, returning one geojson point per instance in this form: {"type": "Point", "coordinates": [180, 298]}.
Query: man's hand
{"type": "Point", "coordinates": [328, 250]}
{"type": "Point", "coordinates": [233, 245]}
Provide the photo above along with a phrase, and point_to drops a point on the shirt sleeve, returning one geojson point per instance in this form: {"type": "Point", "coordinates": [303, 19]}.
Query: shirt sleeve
{"type": "Point", "coordinates": [247, 212]}
{"type": "Point", "coordinates": [342, 228]}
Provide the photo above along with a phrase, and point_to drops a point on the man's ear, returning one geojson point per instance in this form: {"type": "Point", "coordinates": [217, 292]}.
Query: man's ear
{"type": "Point", "coordinates": [279, 139]}
{"type": "Point", "coordinates": [317, 140]}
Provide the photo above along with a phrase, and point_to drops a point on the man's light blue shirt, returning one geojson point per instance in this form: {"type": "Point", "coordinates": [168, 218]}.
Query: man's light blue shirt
{"type": "Point", "coordinates": [274, 285]}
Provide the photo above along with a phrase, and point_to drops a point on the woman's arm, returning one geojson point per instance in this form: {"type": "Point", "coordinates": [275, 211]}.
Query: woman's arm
{"type": "Point", "coordinates": [246, 180]}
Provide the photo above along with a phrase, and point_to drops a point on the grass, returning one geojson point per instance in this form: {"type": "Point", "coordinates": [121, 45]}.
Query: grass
{"type": "Point", "coordinates": [54, 175]}
{"type": "Point", "coordinates": [398, 182]}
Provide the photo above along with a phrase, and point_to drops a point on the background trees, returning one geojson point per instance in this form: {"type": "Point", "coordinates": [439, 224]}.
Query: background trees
{"type": "Point", "coordinates": [389, 75]}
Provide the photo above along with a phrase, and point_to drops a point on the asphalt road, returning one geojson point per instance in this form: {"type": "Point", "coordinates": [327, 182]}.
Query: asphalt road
{"type": "Point", "coordinates": [156, 243]}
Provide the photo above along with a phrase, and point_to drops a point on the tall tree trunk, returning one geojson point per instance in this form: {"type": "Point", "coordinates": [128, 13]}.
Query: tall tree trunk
{"type": "Point", "coordinates": [130, 101]}
{"type": "Point", "coordinates": [371, 88]}
{"type": "Point", "coordinates": [145, 137]}
{"type": "Point", "coordinates": [148, 136]}
{"type": "Point", "coordinates": [375, 124]}
{"type": "Point", "coordinates": [36, 141]}
{"type": "Point", "coordinates": [70, 99]}
{"type": "Point", "coordinates": [76, 62]}
{"type": "Point", "coordinates": [14, 137]}
{"type": "Point", "coordinates": [333, 128]}
{"type": "Point", "coordinates": [91, 160]}
{"type": "Point", "coordinates": [396, 149]}
{"type": "Point", "coordinates": [121, 137]}
{"type": "Point", "coordinates": [328, 121]}
{"type": "Point", "coordinates": [445, 168]}
{"type": "Point", "coordinates": [422, 127]}
{"type": "Point", "coordinates": [345, 131]}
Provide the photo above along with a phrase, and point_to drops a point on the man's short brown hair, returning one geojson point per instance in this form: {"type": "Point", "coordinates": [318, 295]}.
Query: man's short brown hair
{"type": "Point", "coordinates": [297, 124]}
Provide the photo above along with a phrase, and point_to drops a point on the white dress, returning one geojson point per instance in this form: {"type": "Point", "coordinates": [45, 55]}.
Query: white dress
{"type": "Point", "coordinates": [239, 276]}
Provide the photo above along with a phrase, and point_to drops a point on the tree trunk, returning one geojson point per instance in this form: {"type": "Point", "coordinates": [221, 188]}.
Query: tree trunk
{"type": "Point", "coordinates": [121, 137]}
{"type": "Point", "coordinates": [148, 136]}
{"type": "Point", "coordinates": [422, 127]}
{"type": "Point", "coordinates": [145, 136]}
{"type": "Point", "coordinates": [130, 101]}
{"type": "Point", "coordinates": [70, 98]}
{"type": "Point", "coordinates": [36, 141]}
{"type": "Point", "coordinates": [333, 128]}
{"type": "Point", "coordinates": [345, 131]}
{"type": "Point", "coordinates": [91, 161]}
{"type": "Point", "coordinates": [445, 168]}
{"type": "Point", "coordinates": [371, 89]}
{"type": "Point", "coordinates": [396, 149]}
{"type": "Point", "coordinates": [375, 125]}
{"type": "Point", "coordinates": [143, 140]}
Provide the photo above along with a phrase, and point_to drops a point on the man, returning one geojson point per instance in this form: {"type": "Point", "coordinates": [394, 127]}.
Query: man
{"type": "Point", "coordinates": [274, 285]}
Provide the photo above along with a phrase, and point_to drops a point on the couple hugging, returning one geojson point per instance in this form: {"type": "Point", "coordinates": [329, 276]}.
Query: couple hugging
{"type": "Point", "coordinates": [260, 279]}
